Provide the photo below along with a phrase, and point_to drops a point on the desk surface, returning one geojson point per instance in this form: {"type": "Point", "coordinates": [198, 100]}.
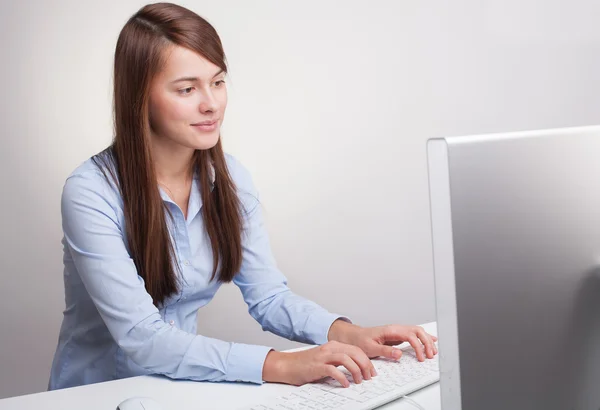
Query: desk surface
{"type": "Point", "coordinates": [182, 395]}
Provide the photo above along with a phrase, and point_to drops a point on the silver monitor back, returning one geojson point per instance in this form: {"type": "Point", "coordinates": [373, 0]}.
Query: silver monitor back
{"type": "Point", "coordinates": [516, 241]}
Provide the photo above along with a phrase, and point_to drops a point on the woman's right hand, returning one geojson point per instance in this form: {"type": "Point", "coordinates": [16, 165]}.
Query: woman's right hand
{"type": "Point", "coordinates": [305, 366]}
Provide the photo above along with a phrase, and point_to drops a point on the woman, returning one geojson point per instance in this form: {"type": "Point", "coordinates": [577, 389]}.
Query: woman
{"type": "Point", "coordinates": [158, 221]}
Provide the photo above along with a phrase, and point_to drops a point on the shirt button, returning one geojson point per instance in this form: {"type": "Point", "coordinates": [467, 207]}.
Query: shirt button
{"type": "Point", "coordinates": [186, 262]}
{"type": "Point", "coordinates": [171, 322]}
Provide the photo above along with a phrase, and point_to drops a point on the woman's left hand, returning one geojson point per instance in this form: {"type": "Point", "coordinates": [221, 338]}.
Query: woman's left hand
{"type": "Point", "coordinates": [379, 340]}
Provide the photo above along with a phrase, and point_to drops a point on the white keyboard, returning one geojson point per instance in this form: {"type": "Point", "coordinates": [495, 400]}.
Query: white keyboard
{"type": "Point", "coordinates": [394, 379]}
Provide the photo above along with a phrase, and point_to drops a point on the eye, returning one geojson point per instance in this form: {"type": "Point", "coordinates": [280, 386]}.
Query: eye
{"type": "Point", "coordinates": [185, 91]}
{"type": "Point", "coordinates": [219, 83]}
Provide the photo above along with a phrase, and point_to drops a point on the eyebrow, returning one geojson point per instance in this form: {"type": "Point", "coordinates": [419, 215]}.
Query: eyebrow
{"type": "Point", "coordinates": [193, 78]}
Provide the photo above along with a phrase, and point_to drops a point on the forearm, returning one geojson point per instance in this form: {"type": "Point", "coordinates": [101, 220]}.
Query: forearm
{"type": "Point", "coordinates": [294, 317]}
{"type": "Point", "coordinates": [163, 349]}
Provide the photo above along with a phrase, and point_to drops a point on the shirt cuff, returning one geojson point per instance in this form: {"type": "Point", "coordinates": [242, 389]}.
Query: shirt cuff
{"type": "Point", "coordinates": [245, 362]}
{"type": "Point", "coordinates": [318, 327]}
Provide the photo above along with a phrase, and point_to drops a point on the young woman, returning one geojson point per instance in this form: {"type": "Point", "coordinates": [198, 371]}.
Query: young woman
{"type": "Point", "coordinates": [154, 224]}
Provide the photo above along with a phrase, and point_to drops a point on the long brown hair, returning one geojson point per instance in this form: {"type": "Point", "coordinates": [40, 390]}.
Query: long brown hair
{"type": "Point", "coordinates": [139, 56]}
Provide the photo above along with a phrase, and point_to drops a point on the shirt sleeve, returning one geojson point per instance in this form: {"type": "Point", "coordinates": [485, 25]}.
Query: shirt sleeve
{"type": "Point", "coordinates": [98, 248]}
{"type": "Point", "coordinates": [264, 288]}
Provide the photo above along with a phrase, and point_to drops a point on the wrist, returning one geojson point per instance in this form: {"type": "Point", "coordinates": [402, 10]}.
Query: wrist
{"type": "Point", "coordinates": [341, 331]}
{"type": "Point", "coordinates": [273, 367]}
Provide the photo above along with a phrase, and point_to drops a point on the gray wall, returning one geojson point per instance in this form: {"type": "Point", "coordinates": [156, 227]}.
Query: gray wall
{"type": "Point", "coordinates": [346, 94]}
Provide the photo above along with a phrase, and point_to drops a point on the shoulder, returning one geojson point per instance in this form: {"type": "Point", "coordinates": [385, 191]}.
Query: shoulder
{"type": "Point", "coordinates": [239, 174]}
{"type": "Point", "coordinates": [92, 183]}
{"type": "Point", "coordinates": [243, 181]}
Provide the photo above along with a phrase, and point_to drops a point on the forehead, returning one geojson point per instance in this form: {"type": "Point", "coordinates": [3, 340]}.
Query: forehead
{"type": "Point", "coordinates": [181, 61]}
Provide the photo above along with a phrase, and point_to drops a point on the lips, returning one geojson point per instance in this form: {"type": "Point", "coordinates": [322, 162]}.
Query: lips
{"type": "Point", "coordinates": [205, 123]}
{"type": "Point", "coordinates": [206, 126]}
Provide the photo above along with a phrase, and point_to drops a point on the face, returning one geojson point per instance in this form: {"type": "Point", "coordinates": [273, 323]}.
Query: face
{"type": "Point", "coordinates": [188, 92]}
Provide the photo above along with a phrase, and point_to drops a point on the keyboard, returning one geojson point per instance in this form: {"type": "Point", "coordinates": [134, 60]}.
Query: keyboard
{"type": "Point", "coordinates": [394, 379]}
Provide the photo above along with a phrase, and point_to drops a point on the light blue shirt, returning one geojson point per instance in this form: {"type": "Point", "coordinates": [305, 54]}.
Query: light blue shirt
{"type": "Point", "coordinates": [111, 329]}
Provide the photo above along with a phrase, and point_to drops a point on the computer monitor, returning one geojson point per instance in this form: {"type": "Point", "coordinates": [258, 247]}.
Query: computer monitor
{"type": "Point", "coordinates": [516, 243]}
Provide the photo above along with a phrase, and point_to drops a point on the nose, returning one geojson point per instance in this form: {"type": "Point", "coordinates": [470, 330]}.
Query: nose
{"type": "Point", "coordinates": [208, 103]}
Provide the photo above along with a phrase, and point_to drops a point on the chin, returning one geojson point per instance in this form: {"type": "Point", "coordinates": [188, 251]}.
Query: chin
{"type": "Point", "coordinates": [207, 141]}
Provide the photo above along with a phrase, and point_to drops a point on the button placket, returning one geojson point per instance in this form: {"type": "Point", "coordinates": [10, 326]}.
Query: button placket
{"type": "Point", "coordinates": [183, 247]}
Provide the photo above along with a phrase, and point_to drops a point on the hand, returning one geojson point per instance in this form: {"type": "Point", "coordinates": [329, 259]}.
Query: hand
{"type": "Point", "coordinates": [378, 341]}
{"type": "Point", "coordinates": [305, 366]}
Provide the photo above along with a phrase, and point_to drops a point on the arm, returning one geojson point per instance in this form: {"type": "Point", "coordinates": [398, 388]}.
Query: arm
{"type": "Point", "coordinates": [280, 311]}
{"type": "Point", "coordinates": [96, 243]}
{"type": "Point", "coordinates": [264, 287]}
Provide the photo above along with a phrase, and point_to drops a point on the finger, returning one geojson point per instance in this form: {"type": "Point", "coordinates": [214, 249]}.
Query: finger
{"type": "Point", "coordinates": [433, 340]}
{"type": "Point", "coordinates": [393, 342]}
{"type": "Point", "coordinates": [348, 363]}
{"type": "Point", "coordinates": [389, 352]}
{"type": "Point", "coordinates": [336, 374]}
{"type": "Point", "coordinates": [416, 344]}
{"type": "Point", "coordinates": [359, 356]}
{"type": "Point", "coordinates": [363, 361]}
{"type": "Point", "coordinates": [395, 334]}
{"type": "Point", "coordinates": [426, 340]}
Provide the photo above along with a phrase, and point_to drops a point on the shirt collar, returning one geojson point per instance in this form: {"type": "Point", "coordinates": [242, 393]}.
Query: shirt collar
{"type": "Point", "coordinates": [195, 202]}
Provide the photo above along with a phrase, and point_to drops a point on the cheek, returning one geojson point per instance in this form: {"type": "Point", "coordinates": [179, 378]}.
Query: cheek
{"type": "Point", "coordinates": [165, 112]}
{"type": "Point", "coordinates": [223, 101]}
{"type": "Point", "coordinates": [179, 110]}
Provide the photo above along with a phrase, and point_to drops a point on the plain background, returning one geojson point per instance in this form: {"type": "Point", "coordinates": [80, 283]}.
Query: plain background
{"type": "Point", "coordinates": [330, 107]}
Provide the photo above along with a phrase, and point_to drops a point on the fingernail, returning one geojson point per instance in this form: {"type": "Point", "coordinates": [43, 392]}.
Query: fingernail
{"type": "Point", "coordinates": [396, 353]}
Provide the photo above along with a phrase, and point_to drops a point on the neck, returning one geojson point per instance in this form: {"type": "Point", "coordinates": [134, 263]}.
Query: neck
{"type": "Point", "coordinates": [172, 162]}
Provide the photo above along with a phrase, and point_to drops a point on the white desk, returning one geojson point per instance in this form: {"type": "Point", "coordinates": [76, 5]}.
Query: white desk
{"type": "Point", "coordinates": [182, 395]}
